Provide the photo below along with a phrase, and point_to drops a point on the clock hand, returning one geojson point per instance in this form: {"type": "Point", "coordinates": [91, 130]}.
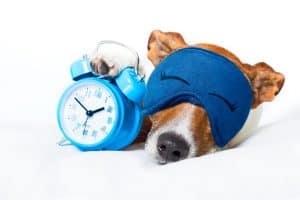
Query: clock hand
{"type": "Point", "coordinates": [84, 124]}
{"type": "Point", "coordinates": [97, 110]}
{"type": "Point", "coordinates": [89, 114]}
{"type": "Point", "coordinates": [81, 104]}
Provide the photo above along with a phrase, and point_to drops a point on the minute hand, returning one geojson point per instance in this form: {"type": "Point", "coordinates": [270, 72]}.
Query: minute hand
{"type": "Point", "coordinates": [80, 104]}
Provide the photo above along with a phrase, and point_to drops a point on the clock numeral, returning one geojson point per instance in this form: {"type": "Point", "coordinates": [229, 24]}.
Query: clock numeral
{"type": "Point", "coordinates": [98, 93]}
{"type": "Point", "coordinates": [87, 93]}
{"type": "Point", "coordinates": [77, 126]}
{"type": "Point", "coordinates": [94, 133]}
{"type": "Point", "coordinates": [103, 129]}
{"type": "Point", "coordinates": [109, 109]}
{"type": "Point", "coordinates": [109, 120]}
{"type": "Point", "coordinates": [85, 132]}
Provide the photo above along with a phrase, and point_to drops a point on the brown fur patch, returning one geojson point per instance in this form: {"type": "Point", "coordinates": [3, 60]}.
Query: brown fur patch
{"type": "Point", "coordinates": [169, 114]}
{"type": "Point", "coordinates": [201, 131]}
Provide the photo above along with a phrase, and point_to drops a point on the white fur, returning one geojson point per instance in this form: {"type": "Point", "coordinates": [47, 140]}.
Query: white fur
{"type": "Point", "coordinates": [181, 126]}
{"type": "Point", "coordinates": [115, 55]}
{"type": "Point", "coordinates": [246, 131]}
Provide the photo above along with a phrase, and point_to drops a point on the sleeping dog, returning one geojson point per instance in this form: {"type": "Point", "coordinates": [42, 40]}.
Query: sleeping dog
{"type": "Point", "coordinates": [184, 130]}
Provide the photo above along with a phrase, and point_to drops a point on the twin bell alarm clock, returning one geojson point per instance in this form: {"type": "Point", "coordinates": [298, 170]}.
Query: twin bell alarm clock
{"type": "Point", "coordinates": [101, 112]}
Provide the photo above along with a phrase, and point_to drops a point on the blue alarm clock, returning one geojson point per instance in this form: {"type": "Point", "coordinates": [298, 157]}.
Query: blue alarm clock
{"type": "Point", "coordinates": [101, 113]}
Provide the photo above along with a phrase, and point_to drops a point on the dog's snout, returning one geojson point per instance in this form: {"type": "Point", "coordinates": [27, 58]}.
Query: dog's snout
{"type": "Point", "coordinates": [172, 147]}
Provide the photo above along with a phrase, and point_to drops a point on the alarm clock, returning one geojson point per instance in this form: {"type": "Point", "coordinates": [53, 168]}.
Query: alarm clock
{"type": "Point", "coordinates": [98, 112]}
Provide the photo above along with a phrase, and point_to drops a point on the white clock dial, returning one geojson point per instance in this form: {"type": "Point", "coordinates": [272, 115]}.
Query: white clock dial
{"type": "Point", "coordinates": [89, 113]}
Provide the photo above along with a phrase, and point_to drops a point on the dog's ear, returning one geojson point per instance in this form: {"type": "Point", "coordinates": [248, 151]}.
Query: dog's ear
{"type": "Point", "coordinates": [161, 44]}
{"type": "Point", "coordinates": [266, 83]}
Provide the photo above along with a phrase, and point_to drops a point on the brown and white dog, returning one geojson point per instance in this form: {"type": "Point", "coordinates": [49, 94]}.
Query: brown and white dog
{"type": "Point", "coordinates": [183, 130]}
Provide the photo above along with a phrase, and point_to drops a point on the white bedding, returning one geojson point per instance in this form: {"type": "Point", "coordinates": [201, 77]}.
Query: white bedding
{"type": "Point", "coordinates": [39, 40]}
{"type": "Point", "coordinates": [266, 166]}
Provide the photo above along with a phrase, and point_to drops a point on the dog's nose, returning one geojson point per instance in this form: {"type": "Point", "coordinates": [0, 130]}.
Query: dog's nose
{"type": "Point", "coordinates": [172, 147]}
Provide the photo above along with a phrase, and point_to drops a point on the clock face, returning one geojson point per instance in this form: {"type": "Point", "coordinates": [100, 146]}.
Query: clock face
{"type": "Point", "coordinates": [88, 113]}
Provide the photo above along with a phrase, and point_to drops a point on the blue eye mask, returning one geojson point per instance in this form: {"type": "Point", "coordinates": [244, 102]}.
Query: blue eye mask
{"type": "Point", "coordinates": [206, 79]}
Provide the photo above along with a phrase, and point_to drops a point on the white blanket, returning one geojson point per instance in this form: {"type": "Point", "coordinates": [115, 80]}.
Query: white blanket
{"type": "Point", "coordinates": [34, 167]}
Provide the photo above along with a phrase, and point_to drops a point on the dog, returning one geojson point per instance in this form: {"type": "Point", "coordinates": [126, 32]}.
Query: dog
{"type": "Point", "coordinates": [183, 131]}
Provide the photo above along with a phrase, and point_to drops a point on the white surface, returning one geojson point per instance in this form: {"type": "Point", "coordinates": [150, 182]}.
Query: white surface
{"type": "Point", "coordinates": [266, 166]}
{"type": "Point", "coordinates": [38, 41]}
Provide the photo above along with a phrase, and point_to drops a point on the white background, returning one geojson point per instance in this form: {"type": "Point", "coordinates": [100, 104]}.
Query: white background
{"type": "Point", "coordinates": [39, 40]}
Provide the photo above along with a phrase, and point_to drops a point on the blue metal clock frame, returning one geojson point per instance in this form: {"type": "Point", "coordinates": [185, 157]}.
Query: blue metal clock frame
{"type": "Point", "coordinates": [123, 131]}
{"type": "Point", "coordinates": [128, 113]}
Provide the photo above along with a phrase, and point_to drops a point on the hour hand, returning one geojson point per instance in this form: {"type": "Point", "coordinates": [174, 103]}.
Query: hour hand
{"type": "Point", "coordinates": [80, 104]}
{"type": "Point", "coordinates": [98, 110]}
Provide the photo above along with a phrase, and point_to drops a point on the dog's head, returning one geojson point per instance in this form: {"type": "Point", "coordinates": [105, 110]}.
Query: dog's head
{"type": "Point", "coordinates": [184, 130]}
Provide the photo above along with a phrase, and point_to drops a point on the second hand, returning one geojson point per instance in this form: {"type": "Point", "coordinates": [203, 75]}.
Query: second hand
{"type": "Point", "coordinates": [84, 124]}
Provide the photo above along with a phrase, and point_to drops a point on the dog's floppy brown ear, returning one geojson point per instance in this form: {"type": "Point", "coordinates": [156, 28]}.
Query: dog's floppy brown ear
{"type": "Point", "coordinates": [266, 83]}
{"type": "Point", "coordinates": [161, 44]}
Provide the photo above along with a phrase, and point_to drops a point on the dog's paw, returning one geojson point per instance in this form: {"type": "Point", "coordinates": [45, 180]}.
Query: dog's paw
{"type": "Point", "coordinates": [101, 67]}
